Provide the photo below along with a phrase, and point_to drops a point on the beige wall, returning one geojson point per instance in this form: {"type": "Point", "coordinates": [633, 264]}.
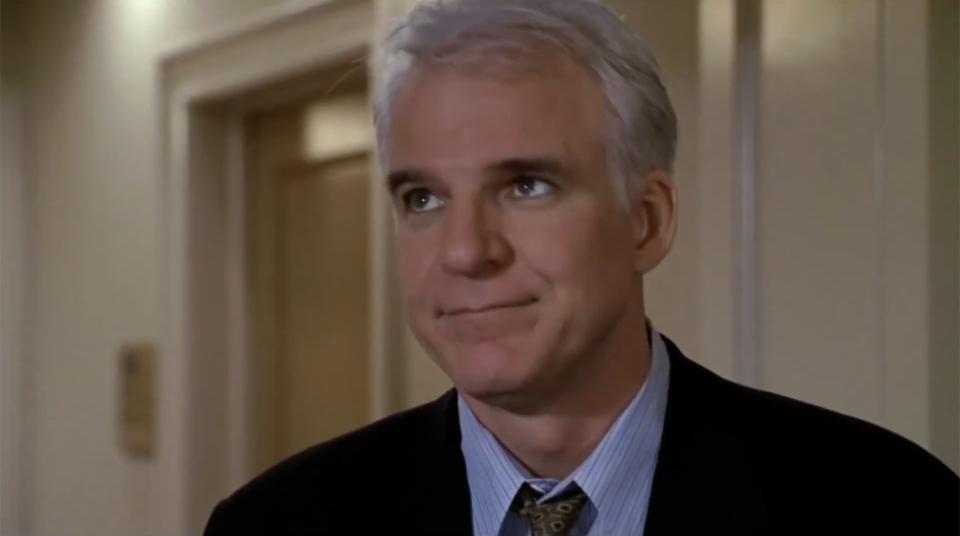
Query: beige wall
{"type": "Point", "coordinates": [831, 227]}
{"type": "Point", "coordinates": [855, 211]}
{"type": "Point", "coordinates": [94, 181]}
{"type": "Point", "coordinates": [672, 290]}
{"type": "Point", "coordinates": [943, 220]}
{"type": "Point", "coordinates": [12, 278]}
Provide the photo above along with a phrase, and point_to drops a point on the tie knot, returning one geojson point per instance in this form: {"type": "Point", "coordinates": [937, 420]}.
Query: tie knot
{"type": "Point", "coordinates": [553, 518]}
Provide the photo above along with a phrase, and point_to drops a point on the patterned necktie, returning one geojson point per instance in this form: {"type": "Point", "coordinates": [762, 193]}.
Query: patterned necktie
{"type": "Point", "coordinates": [554, 518]}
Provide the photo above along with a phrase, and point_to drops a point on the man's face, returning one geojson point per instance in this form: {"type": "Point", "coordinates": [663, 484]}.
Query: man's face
{"type": "Point", "coordinates": [514, 252]}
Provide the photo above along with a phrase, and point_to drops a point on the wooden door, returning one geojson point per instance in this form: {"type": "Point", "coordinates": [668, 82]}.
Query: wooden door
{"type": "Point", "coordinates": [309, 288]}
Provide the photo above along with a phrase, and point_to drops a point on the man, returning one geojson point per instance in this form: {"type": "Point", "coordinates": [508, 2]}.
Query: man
{"type": "Point", "coordinates": [527, 147]}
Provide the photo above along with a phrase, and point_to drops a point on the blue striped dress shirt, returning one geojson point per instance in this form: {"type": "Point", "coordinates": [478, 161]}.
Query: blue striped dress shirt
{"type": "Point", "coordinates": [617, 476]}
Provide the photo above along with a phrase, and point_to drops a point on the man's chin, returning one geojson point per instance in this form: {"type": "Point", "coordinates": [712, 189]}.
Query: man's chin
{"type": "Point", "coordinates": [516, 394]}
{"type": "Point", "coordinates": [496, 373]}
{"type": "Point", "coordinates": [488, 381]}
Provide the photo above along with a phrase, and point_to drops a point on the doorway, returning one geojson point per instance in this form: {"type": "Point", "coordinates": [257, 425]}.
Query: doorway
{"type": "Point", "coordinates": [307, 197]}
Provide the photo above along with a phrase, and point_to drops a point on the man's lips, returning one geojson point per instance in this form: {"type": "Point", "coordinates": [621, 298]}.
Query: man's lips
{"type": "Point", "coordinates": [487, 307]}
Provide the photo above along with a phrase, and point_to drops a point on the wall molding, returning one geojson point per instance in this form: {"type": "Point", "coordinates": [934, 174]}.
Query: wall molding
{"type": "Point", "coordinates": [204, 333]}
{"type": "Point", "coordinates": [747, 148]}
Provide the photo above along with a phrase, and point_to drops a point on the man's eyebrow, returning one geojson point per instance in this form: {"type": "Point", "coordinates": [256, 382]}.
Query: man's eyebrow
{"type": "Point", "coordinates": [397, 178]}
{"type": "Point", "coordinates": [515, 166]}
{"type": "Point", "coordinates": [510, 166]}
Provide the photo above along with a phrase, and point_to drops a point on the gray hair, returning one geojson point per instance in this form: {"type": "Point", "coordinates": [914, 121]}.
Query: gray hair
{"type": "Point", "coordinates": [644, 134]}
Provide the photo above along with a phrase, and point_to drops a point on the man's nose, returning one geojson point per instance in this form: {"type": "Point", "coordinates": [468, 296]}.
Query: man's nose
{"type": "Point", "coordinates": [473, 242]}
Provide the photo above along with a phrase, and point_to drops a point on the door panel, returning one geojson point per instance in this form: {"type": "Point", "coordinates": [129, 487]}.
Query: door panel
{"type": "Point", "coordinates": [818, 239]}
{"type": "Point", "coordinates": [322, 365]}
{"type": "Point", "coordinates": [309, 288]}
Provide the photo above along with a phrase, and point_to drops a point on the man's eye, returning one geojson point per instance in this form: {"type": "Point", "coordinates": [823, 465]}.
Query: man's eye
{"type": "Point", "coordinates": [528, 187]}
{"type": "Point", "coordinates": [421, 200]}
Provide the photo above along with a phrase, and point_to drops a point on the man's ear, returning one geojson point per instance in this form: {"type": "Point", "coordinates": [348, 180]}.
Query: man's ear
{"type": "Point", "coordinates": [653, 211]}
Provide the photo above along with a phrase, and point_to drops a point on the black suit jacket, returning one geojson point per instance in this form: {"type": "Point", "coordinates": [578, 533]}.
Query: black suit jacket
{"type": "Point", "coordinates": [733, 460]}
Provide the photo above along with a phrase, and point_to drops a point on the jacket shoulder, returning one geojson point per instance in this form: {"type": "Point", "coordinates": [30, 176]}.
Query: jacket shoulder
{"type": "Point", "coordinates": [299, 494]}
{"type": "Point", "coordinates": [805, 458]}
{"type": "Point", "coordinates": [808, 434]}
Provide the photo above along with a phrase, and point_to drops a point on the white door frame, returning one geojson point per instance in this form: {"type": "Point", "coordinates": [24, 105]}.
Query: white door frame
{"type": "Point", "coordinates": [204, 368]}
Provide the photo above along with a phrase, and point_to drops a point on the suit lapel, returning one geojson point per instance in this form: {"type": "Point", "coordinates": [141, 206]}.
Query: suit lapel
{"type": "Point", "coordinates": [703, 482]}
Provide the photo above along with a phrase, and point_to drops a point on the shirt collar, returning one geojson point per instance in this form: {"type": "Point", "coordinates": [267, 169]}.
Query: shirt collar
{"type": "Point", "coordinates": [492, 474]}
{"type": "Point", "coordinates": [632, 442]}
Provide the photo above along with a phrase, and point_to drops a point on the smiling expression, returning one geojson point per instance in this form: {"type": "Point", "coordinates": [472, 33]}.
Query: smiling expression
{"type": "Point", "coordinates": [515, 254]}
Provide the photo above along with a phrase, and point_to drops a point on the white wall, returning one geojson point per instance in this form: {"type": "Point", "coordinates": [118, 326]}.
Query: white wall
{"type": "Point", "coordinates": [12, 279]}
{"type": "Point", "coordinates": [851, 287]}
{"type": "Point", "coordinates": [672, 290]}
{"type": "Point", "coordinates": [94, 182]}
{"type": "Point", "coordinates": [943, 221]}
{"type": "Point", "coordinates": [12, 293]}
{"type": "Point", "coordinates": [825, 220]}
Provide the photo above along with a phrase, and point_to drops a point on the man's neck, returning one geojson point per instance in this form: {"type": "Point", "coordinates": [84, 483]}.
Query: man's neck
{"type": "Point", "coordinates": [554, 441]}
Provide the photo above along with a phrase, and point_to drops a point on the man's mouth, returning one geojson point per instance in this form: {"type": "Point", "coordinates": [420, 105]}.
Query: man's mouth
{"type": "Point", "coordinates": [486, 307]}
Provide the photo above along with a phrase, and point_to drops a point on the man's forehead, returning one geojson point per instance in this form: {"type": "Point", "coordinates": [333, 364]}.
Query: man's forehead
{"type": "Point", "coordinates": [461, 118]}
{"type": "Point", "coordinates": [506, 63]}
{"type": "Point", "coordinates": [507, 58]}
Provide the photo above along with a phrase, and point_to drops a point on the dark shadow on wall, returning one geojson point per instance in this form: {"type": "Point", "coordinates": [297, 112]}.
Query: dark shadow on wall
{"type": "Point", "coordinates": [944, 136]}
